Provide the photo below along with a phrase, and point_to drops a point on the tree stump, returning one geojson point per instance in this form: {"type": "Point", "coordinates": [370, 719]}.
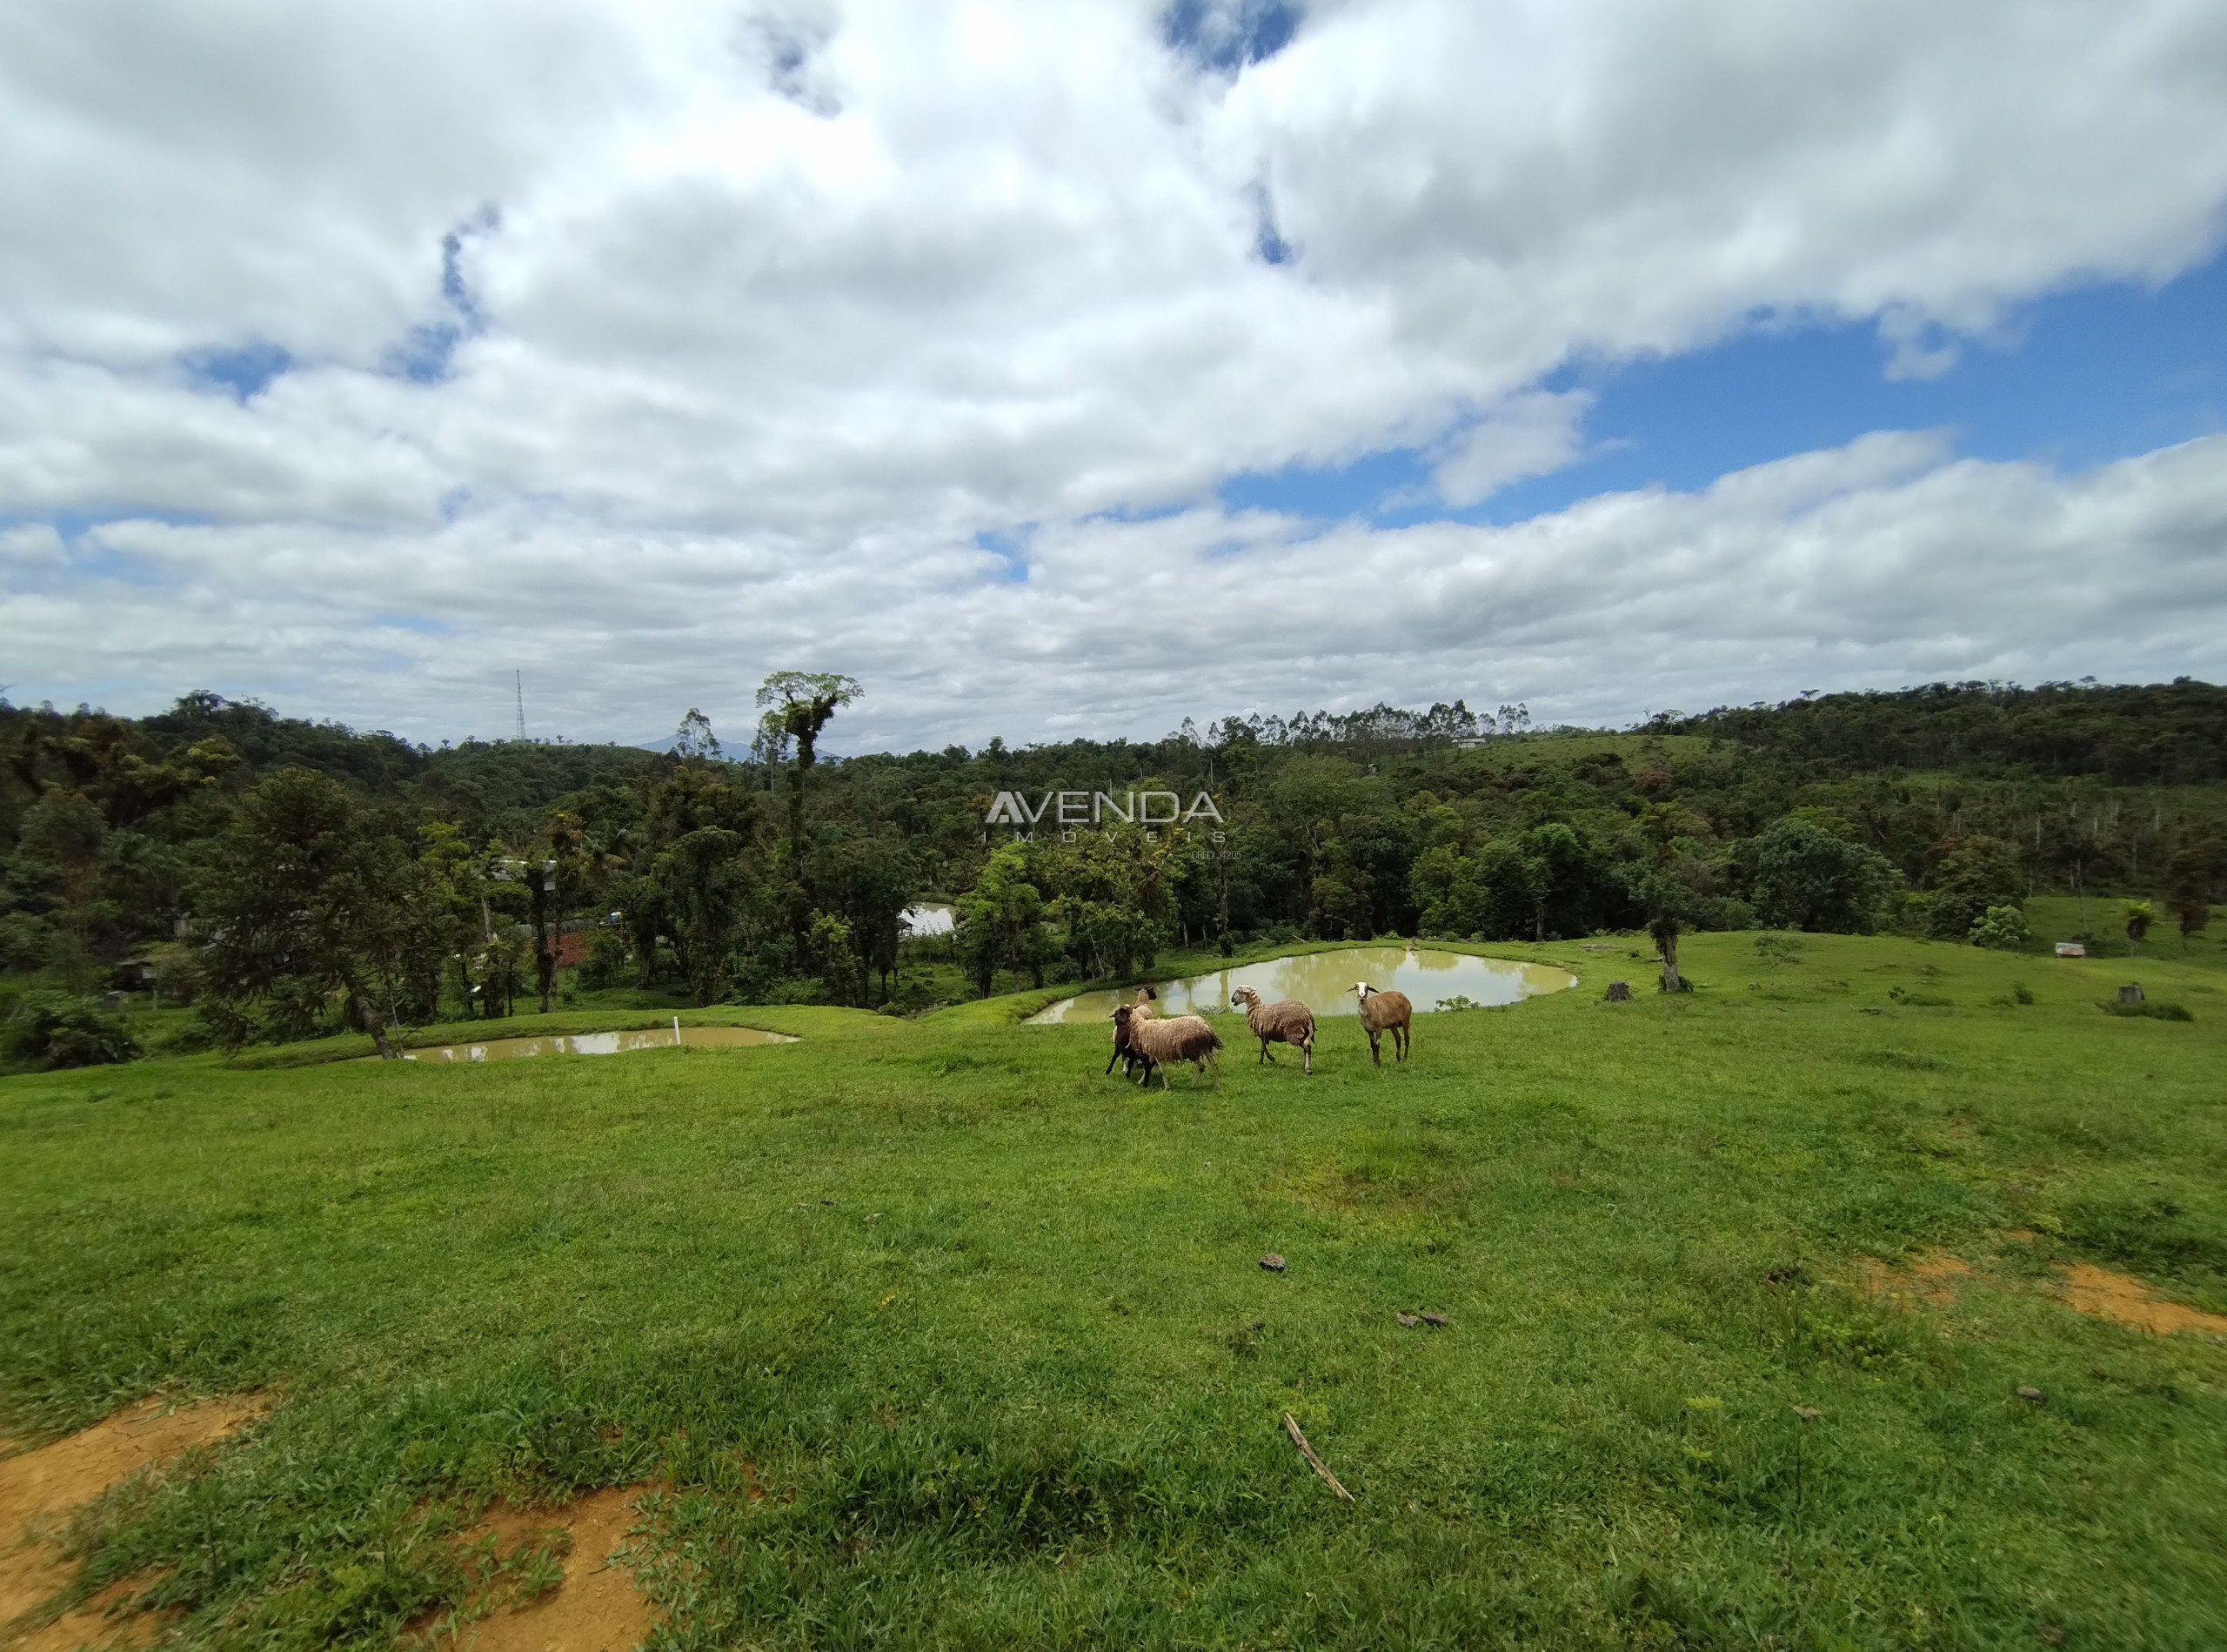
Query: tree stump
{"type": "Point", "coordinates": [1620, 992]}
{"type": "Point", "coordinates": [2131, 993]}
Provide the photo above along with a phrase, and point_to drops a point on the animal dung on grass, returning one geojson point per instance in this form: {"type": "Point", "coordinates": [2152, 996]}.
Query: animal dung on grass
{"type": "Point", "coordinates": [1272, 1262]}
{"type": "Point", "coordinates": [2033, 1396]}
{"type": "Point", "coordinates": [1408, 1319]}
{"type": "Point", "coordinates": [1436, 1321]}
{"type": "Point", "coordinates": [1287, 1021]}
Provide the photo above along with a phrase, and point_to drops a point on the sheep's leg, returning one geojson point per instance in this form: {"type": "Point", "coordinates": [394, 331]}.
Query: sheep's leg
{"type": "Point", "coordinates": [1375, 1055]}
{"type": "Point", "coordinates": [1265, 1056]}
{"type": "Point", "coordinates": [1307, 1055]}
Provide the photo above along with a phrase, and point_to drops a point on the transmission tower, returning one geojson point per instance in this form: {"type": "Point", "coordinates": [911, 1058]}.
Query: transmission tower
{"type": "Point", "coordinates": [519, 680]}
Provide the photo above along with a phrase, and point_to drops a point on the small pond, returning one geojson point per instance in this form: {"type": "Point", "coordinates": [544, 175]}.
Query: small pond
{"type": "Point", "coordinates": [655, 1038]}
{"type": "Point", "coordinates": [1324, 982]}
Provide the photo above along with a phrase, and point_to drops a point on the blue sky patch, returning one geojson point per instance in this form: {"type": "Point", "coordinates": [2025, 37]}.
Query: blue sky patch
{"type": "Point", "coordinates": [1012, 546]}
{"type": "Point", "coordinates": [427, 351]}
{"type": "Point", "coordinates": [2076, 379]}
{"type": "Point", "coordinates": [241, 372]}
{"type": "Point", "coordinates": [1226, 34]}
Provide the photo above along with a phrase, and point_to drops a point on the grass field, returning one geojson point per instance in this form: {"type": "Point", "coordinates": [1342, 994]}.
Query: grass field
{"type": "Point", "coordinates": [930, 1334]}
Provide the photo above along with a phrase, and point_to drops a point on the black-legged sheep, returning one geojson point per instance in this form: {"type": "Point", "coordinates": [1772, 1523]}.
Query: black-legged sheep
{"type": "Point", "coordinates": [1182, 1038]}
{"type": "Point", "coordinates": [1287, 1022]}
{"type": "Point", "coordinates": [1124, 1051]}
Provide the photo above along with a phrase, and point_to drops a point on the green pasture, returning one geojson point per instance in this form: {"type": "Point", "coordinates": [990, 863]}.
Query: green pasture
{"type": "Point", "coordinates": [933, 1335]}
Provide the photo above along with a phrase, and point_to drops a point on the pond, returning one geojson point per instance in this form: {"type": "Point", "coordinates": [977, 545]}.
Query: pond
{"type": "Point", "coordinates": [926, 917]}
{"type": "Point", "coordinates": [1324, 982]}
{"type": "Point", "coordinates": [655, 1038]}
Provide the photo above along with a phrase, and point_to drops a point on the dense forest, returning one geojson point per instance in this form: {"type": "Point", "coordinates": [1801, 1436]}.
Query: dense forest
{"type": "Point", "coordinates": [286, 878]}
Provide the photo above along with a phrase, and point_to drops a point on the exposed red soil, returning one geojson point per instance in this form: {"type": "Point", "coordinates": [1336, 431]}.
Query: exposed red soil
{"type": "Point", "coordinates": [2127, 1300]}
{"type": "Point", "coordinates": [595, 1608]}
{"type": "Point", "coordinates": [1935, 1278]}
{"type": "Point", "coordinates": [41, 1488]}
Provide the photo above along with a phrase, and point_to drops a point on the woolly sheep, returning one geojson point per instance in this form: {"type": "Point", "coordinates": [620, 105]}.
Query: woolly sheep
{"type": "Point", "coordinates": [1381, 1012]}
{"type": "Point", "coordinates": [1123, 1050]}
{"type": "Point", "coordinates": [1182, 1037]}
{"type": "Point", "coordinates": [1288, 1022]}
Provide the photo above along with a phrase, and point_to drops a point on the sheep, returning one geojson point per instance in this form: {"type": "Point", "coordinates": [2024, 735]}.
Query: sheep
{"type": "Point", "coordinates": [1380, 1013]}
{"type": "Point", "coordinates": [1182, 1037]}
{"type": "Point", "coordinates": [1124, 1051]}
{"type": "Point", "coordinates": [1288, 1022]}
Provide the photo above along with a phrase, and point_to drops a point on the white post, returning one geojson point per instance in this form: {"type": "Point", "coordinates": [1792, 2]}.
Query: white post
{"type": "Point", "coordinates": [676, 1029]}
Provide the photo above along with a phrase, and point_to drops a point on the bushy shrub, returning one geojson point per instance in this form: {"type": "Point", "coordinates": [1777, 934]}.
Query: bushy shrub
{"type": "Point", "coordinates": [51, 1030]}
{"type": "Point", "coordinates": [25, 943]}
{"type": "Point", "coordinates": [2002, 929]}
{"type": "Point", "coordinates": [610, 958]}
{"type": "Point", "coordinates": [1808, 878]}
{"type": "Point", "coordinates": [2156, 1008]}
{"type": "Point", "coordinates": [1975, 874]}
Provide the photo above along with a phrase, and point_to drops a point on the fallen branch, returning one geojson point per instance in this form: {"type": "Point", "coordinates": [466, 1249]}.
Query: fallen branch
{"type": "Point", "coordinates": [1291, 1428]}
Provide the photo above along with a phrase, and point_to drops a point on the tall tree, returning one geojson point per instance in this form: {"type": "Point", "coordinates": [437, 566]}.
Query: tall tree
{"type": "Point", "coordinates": [301, 904]}
{"type": "Point", "coordinates": [440, 917]}
{"type": "Point", "coordinates": [799, 705]}
{"type": "Point", "coordinates": [706, 888]}
{"type": "Point", "coordinates": [1000, 920]}
{"type": "Point", "coordinates": [2190, 875]}
{"type": "Point", "coordinates": [2139, 915]}
{"type": "Point", "coordinates": [1810, 877]}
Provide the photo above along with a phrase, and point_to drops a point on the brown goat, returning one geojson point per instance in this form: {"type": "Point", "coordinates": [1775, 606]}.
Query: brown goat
{"type": "Point", "coordinates": [1182, 1038]}
{"type": "Point", "coordinates": [1381, 1012]}
{"type": "Point", "coordinates": [1288, 1022]}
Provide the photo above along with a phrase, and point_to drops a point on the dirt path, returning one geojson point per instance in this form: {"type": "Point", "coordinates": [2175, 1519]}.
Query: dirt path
{"type": "Point", "coordinates": [41, 1487]}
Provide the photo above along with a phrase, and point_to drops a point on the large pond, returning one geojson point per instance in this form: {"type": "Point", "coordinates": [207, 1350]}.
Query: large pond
{"type": "Point", "coordinates": [1324, 982]}
{"type": "Point", "coordinates": [660, 1038]}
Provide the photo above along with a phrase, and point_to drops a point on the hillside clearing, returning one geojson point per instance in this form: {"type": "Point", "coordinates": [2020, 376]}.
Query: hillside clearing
{"type": "Point", "coordinates": [932, 1335]}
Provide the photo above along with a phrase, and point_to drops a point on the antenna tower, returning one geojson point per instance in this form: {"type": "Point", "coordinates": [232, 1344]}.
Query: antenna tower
{"type": "Point", "coordinates": [518, 678]}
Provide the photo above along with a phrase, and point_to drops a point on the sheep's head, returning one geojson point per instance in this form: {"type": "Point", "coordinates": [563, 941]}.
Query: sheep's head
{"type": "Point", "coordinates": [1121, 1013]}
{"type": "Point", "coordinates": [1361, 990]}
{"type": "Point", "coordinates": [1244, 996]}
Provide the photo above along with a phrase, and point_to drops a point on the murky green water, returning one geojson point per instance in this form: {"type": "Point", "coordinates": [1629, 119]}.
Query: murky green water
{"type": "Point", "coordinates": [1324, 982]}
{"type": "Point", "coordinates": [510, 1049]}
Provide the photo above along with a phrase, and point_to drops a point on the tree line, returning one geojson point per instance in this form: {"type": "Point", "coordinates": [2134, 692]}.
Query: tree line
{"type": "Point", "coordinates": [294, 877]}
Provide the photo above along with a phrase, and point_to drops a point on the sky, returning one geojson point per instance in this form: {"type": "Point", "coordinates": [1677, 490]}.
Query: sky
{"type": "Point", "coordinates": [1069, 370]}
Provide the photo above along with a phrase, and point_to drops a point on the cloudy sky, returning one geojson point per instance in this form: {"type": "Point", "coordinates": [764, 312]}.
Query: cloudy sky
{"type": "Point", "coordinates": [1071, 369]}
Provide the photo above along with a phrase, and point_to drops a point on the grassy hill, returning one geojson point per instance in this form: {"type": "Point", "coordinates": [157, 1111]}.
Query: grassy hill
{"type": "Point", "coordinates": [931, 1335]}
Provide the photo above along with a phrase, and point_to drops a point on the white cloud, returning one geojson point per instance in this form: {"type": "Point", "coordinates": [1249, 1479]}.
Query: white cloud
{"type": "Point", "coordinates": [784, 304]}
{"type": "Point", "coordinates": [1528, 434]}
{"type": "Point", "coordinates": [1885, 562]}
